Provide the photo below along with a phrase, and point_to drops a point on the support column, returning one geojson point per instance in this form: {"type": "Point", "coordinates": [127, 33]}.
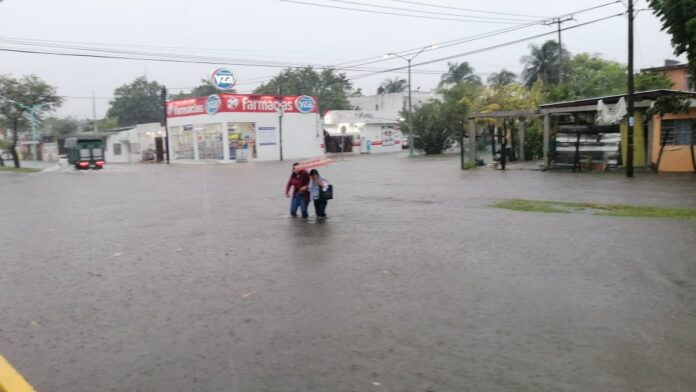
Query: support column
{"type": "Point", "coordinates": [547, 139]}
{"type": "Point", "coordinates": [523, 130]}
{"type": "Point", "coordinates": [472, 141]}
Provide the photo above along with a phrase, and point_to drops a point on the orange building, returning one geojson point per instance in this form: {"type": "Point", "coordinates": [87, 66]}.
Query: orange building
{"type": "Point", "coordinates": [677, 73]}
{"type": "Point", "coordinates": [673, 137]}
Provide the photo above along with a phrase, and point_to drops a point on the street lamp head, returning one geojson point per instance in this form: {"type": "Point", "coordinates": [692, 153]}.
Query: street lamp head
{"type": "Point", "coordinates": [434, 46]}
{"type": "Point", "coordinates": [386, 56]}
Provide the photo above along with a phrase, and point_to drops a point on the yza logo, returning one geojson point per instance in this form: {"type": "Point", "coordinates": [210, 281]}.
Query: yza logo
{"type": "Point", "coordinates": [212, 104]}
{"type": "Point", "coordinates": [305, 104]}
{"type": "Point", "coordinates": [223, 79]}
{"type": "Point", "coordinates": [232, 103]}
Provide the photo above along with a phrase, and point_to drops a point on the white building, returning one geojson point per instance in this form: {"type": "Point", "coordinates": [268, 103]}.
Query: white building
{"type": "Point", "coordinates": [361, 132]}
{"type": "Point", "coordinates": [230, 127]}
{"type": "Point", "coordinates": [140, 143]}
{"type": "Point", "coordinates": [391, 105]}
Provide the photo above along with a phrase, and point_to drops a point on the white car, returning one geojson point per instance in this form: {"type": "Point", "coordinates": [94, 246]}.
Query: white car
{"type": "Point", "coordinates": [6, 155]}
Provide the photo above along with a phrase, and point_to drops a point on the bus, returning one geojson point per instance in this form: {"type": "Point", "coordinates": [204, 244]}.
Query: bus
{"type": "Point", "coordinates": [85, 153]}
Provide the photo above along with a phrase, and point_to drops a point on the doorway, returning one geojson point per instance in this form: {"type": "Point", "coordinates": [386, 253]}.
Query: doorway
{"type": "Point", "coordinates": [159, 149]}
{"type": "Point", "coordinates": [241, 139]}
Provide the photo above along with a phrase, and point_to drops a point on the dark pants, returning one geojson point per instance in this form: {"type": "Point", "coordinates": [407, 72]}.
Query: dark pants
{"type": "Point", "coordinates": [299, 201]}
{"type": "Point", "coordinates": [320, 208]}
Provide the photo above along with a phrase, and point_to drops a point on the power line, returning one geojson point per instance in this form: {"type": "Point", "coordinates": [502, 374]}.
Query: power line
{"type": "Point", "coordinates": [433, 12]}
{"type": "Point", "coordinates": [166, 57]}
{"type": "Point", "coordinates": [460, 41]}
{"type": "Point", "coordinates": [501, 45]}
{"type": "Point", "coordinates": [392, 13]}
{"type": "Point", "coordinates": [467, 9]}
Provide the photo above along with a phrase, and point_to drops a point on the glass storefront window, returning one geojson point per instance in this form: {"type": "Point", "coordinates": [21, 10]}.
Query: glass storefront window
{"type": "Point", "coordinates": [210, 146]}
{"type": "Point", "coordinates": [242, 136]}
{"type": "Point", "coordinates": [182, 142]}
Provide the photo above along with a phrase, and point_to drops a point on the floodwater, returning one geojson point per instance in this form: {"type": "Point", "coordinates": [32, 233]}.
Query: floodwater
{"type": "Point", "coordinates": [193, 278]}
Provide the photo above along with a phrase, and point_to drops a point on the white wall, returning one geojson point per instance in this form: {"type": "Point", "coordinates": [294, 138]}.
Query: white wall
{"type": "Point", "coordinates": [133, 143]}
{"type": "Point", "coordinates": [391, 105]}
{"type": "Point", "coordinates": [302, 133]}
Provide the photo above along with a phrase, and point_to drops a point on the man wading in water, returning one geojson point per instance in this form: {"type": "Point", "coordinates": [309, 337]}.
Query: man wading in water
{"type": "Point", "coordinates": [299, 182]}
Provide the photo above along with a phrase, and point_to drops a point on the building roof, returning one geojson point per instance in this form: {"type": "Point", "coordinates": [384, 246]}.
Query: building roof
{"type": "Point", "coordinates": [612, 99]}
{"type": "Point", "coordinates": [667, 67]}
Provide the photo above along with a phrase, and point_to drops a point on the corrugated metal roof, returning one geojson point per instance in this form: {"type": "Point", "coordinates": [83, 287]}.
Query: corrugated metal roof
{"type": "Point", "coordinates": [610, 99]}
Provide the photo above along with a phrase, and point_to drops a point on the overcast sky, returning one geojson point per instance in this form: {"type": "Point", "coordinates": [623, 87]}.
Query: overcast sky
{"type": "Point", "coordinates": [276, 31]}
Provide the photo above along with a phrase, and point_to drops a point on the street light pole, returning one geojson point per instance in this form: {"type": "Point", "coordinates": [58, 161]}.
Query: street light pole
{"type": "Point", "coordinates": [32, 120]}
{"type": "Point", "coordinates": [411, 137]}
{"type": "Point", "coordinates": [630, 96]}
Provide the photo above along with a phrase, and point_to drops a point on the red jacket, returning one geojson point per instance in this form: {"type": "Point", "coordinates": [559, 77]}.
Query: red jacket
{"type": "Point", "coordinates": [298, 181]}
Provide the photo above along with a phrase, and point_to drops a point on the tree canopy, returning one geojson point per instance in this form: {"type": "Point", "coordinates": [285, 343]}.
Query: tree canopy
{"type": "Point", "coordinates": [502, 78]}
{"type": "Point", "coordinates": [459, 73]}
{"type": "Point", "coordinates": [390, 86]}
{"type": "Point", "coordinates": [589, 75]}
{"type": "Point", "coordinates": [679, 20]}
{"type": "Point", "coordinates": [137, 103]}
{"type": "Point", "coordinates": [19, 95]}
{"type": "Point", "coordinates": [332, 89]}
{"type": "Point", "coordinates": [543, 63]}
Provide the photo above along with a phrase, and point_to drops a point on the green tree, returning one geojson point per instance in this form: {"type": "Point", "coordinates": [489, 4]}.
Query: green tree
{"type": "Point", "coordinates": [679, 20]}
{"type": "Point", "coordinates": [137, 103]}
{"type": "Point", "coordinates": [107, 123]}
{"type": "Point", "coordinates": [438, 124]}
{"type": "Point", "coordinates": [17, 96]}
{"type": "Point", "coordinates": [203, 90]}
{"type": "Point", "coordinates": [589, 75]}
{"type": "Point", "coordinates": [330, 88]}
{"type": "Point", "coordinates": [459, 73]}
{"type": "Point", "coordinates": [430, 130]}
{"type": "Point", "coordinates": [502, 78]}
{"type": "Point", "coordinates": [646, 81]}
{"type": "Point", "coordinates": [543, 63]}
{"type": "Point", "coordinates": [395, 85]}
{"type": "Point", "coordinates": [62, 126]}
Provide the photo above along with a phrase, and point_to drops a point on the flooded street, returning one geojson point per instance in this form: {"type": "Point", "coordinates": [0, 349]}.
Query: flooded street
{"type": "Point", "coordinates": [194, 278]}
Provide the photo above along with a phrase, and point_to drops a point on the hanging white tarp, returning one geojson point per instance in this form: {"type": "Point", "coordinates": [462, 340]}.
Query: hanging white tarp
{"type": "Point", "coordinates": [607, 115]}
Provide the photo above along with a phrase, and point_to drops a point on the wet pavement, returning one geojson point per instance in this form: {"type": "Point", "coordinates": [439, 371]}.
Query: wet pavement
{"type": "Point", "coordinates": [193, 278]}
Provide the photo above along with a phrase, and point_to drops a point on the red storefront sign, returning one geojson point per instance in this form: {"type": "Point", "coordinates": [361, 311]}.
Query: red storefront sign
{"type": "Point", "coordinates": [241, 103]}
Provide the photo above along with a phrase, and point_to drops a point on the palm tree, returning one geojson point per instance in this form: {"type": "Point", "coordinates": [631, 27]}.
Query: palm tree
{"type": "Point", "coordinates": [502, 78]}
{"type": "Point", "coordinates": [459, 73]}
{"type": "Point", "coordinates": [395, 85]}
{"type": "Point", "coordinates": [542, 64]}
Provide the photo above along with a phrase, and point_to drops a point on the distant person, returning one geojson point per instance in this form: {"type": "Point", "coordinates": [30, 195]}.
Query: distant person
{"type": "Point", "coordinates": [299, 182]}
{"type": "Point", "coordinates": [321, 191]}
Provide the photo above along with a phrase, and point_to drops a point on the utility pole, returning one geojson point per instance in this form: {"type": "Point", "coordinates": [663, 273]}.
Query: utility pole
{"type": "Point", "coordinates": [164, 121]}
{"type": "Point", "coordinates": [94, 112]}
{"type": "Point", "coordinates": [280, 116]}
{"type": "Point", "coordinates": [559, 22]}
{"type": "Point", "coordinates": [631, 91]}
{"type": "Point", "coordinates": [411, 139]}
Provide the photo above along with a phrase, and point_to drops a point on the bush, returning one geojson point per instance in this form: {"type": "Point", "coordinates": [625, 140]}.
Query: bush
{"type": "Point", "coordinates": [430, 129]}
{"type": "Point", "coordinates": [534, 141]}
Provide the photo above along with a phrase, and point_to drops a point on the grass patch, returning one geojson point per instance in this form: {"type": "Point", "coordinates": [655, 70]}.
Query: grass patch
{"type": "Point", "coordinates": [20, 170]}
{"type": "Point", "coordinates": [469, 165]}
{"type": "Point", "coordinates": [620, 210]}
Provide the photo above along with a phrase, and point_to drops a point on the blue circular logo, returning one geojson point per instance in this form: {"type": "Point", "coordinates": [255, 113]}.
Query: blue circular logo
{"type": "Point", "coordinates": [305, 104]}
{"type": "Point", "coordinates": [223, 79]}
{"type": "Point", "coordinates": [212, 105]}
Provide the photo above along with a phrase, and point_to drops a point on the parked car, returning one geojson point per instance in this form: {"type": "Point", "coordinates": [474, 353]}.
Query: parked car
{"type": "Point", "coordinates": [6, 155]}
{"type": "Point", "coordinates": [404, 142]}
